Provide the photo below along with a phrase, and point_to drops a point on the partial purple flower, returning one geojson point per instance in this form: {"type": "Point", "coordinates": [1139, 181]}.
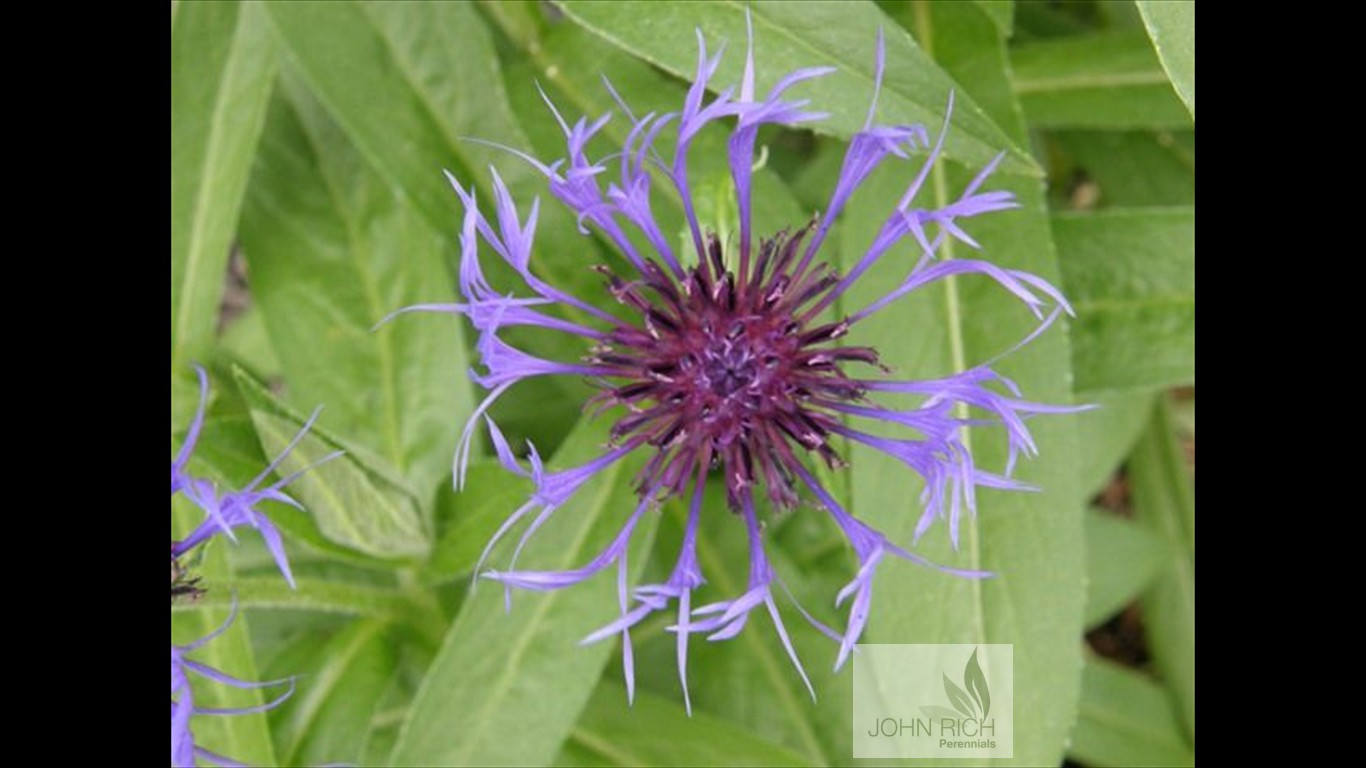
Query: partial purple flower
{"type": "Point", "coordinates": [224, 511]}
{"type": "Point", "coordinates": [184, 750]}
{"type": "Point", "coordinates": [725, 364]}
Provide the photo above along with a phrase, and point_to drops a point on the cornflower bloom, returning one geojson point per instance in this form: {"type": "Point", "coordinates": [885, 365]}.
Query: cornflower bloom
{"type": "Point", "coordinates": [223, 512]}
{"type": "Point", "coordinates": [728, 365]}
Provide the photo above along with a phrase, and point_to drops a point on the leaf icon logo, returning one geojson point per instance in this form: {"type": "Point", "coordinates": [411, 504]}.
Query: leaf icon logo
{"type": "Point", "coordinates": [976, 683]}
{"type": "Point", "coordinates": [958, 698]}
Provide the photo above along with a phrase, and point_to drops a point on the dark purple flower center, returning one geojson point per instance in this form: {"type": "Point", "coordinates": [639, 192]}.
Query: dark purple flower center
{"type": "Point", "coordinates": [728, 369]}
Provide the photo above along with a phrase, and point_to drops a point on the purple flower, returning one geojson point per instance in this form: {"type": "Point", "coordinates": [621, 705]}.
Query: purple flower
{"type": "Point", "coordinates": [728, 364]}
{"type": "Point", "coordinates": [224, 511]}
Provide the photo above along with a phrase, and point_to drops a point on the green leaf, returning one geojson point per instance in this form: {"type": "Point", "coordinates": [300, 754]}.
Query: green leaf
{"type": "Point", "coordinates": [1183, 415]}
{"type": "Point", "coordinates": [222, 66]}
{"type": "Point", "coordinates": [520, 20]}
{"type": "Point", "coordinates": [1122, 559]}
{"type": "Point", "coordinates": [408, 82]}
{"type": "Point", "coordinates": [311, 595]}
{"type": "Point", "coordinates": [333, 249]}
{"type": "Point", "coordinates": [656, 731]}
{"type": "Point", "coordinates": [497, 671]}
{"type": "Point", "coordinates": [1130, 275]}
{"type": "Point", "coordinates": [467, 519]}
{"type": "Point", "coordinates": [788, 37]}
{"type": "Point", "coordinates": [1045, 20]}
{"type": "Point", "coordinates": [1126, 720]}
{"type": "Point", "coordinates": [1033, 542]}
{"type": "Point", "coordinates": [341, 681]}
{"type": "Point", "coordinates": [393, 704]}
{"type": "Point", "coordinates": [1164, 499]}
{"type": "Point", "coordinates": [1102, 80]}
{"type": "Point", "coordinates": [356, 501]}
{"type": "Point", "coordinates": [1172, 28]}
{"type": "Point", "coordinates": [184, 400]}
{"type": "Point", "coordinates": [229, 452]}
{"type": "Point", "coordinates": [1106, 434]}
{"type": "Point", "coordinates": [248, 344]}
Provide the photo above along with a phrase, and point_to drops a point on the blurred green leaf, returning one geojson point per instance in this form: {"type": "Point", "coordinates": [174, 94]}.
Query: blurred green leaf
{"type": "Point", "coordinates": [1033, 542]}
{"type": "Point", "coordinates": [393, 703]}
{"type": "Point", "coordinates": [496, 672]}
{"type": "Point", "coordinates": [1122, 559]}
{"type": "Point", "coordinates": [520, 20]}
{"type": "Point", "coordinates": [356, 501]}
{"type": "Point", "coordinates": [1130, 274]}
{"type": "Point", "coordinates": [184, 400]}
{"type": "Point", "coordinates": [1126, 720]}
{"type": "Point", "coordinates": [1102, 80]}
{"type": "Point", "coordinates": [1164, 499]}
{"type": "Point", "coordinates": [1133, 169]}
{"type": "Point", "coordinates": [1183, 415]}
{"type": "Point", "coordinates": [341, 679]}
{"type": "Point", "coordinates": [1001, 13]}
{"type": "Point", "coordinates": [222, 67]}
{"type": "Point", "coordinates": [333, 249]}
{"type": "Point", "coordinates": [1107, 433]}
{"type": "Point", "coordinates": [1045, 20]}
{"type": "Point", "coordinates": [1171, 25]}
{"type": "Point", "coordinates": [793, 36]}
{"type": "Point", "coordinates": [655, 731]}
{"type": "Point", "coordinates": [248, 344]}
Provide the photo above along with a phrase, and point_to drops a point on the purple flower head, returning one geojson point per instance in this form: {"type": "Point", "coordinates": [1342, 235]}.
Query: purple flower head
{"type": "Point", "coordinates": [728, 367]}
{"type": "Point", "coordinates": [184, 671]}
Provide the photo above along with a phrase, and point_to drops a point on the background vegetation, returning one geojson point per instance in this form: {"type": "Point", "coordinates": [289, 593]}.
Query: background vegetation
{"type": "Point", "coordinates": [307, 141]}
